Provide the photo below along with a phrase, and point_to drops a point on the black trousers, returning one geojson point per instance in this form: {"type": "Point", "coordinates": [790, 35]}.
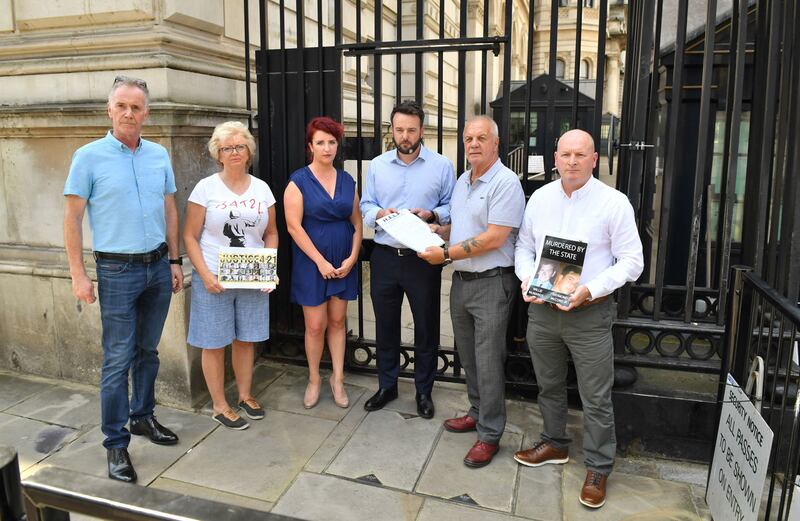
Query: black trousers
{"type": "Point", "coordinates": [391, 277]}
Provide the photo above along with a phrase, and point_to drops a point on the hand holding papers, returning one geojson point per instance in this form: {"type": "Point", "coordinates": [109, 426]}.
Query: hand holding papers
{"type": "Point", "coordinates": [410, 230]}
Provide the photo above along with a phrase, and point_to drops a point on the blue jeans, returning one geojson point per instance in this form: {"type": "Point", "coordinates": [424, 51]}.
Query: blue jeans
{"type": "Point", "coordinates": [134, 300]}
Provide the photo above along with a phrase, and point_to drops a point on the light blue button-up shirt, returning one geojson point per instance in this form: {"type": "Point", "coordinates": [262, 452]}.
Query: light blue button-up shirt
{"type": "Point", "coordinates": [124, 191]}
{"type": "Point", "coordinates": [425, 183]}
{"type": "Point", "coordinates": [497, 198]}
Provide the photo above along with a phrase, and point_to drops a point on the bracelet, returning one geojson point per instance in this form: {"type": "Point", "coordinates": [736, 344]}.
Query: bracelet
{"type": "Point", "coordinates": [179, 261]}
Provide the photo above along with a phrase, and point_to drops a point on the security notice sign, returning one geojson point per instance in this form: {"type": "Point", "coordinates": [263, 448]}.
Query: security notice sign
{"type": "Point", "coordinates": [741, 455]}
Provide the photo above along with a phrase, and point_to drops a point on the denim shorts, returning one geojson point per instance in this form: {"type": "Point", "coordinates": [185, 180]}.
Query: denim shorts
{"type": "Point", "coordinates": [215, 320]}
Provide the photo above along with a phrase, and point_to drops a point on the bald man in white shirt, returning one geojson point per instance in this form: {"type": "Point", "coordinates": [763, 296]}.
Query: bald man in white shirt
{"type": "Point", "coordinates": [578, 207]}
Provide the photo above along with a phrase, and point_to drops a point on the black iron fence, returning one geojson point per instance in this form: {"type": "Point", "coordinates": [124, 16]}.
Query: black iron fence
{"type": "Point", "coordinates": [764, 323]}
{"type": "Point", "coordinates": [705, 98]}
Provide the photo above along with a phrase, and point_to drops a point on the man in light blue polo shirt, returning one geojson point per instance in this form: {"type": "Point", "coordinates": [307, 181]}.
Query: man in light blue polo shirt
{"type": "Point", "coordinates": [127, 185]}
{"type": "Point", "coordinates": [420, 180]}
{"type": "Point", "coordinates": [486, 212]}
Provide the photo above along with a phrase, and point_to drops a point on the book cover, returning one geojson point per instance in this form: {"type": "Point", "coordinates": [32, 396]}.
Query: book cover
{"type": "Point", "coordinates": [558, 271]}
{"type": "Point", "coordinates": [250, 268]}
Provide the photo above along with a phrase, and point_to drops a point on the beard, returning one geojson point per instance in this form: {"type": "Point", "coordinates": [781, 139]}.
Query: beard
{"type": "Point", "coordinates": [410, 149]}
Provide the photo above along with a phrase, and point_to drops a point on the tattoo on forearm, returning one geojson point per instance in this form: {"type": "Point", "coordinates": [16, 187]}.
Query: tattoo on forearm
{"type": "Point", "coordinates": [469, 244]}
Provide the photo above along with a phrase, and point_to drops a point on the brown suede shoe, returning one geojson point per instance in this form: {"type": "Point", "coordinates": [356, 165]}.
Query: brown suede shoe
{"type": "Point", "coordinates": [480, 454]}
{"type": "Point", "coordinates": [541, 454]}
{"type": "Point", "coordinates": [464, 423]}
{"type": "Point", "coordinates": [593, 493]}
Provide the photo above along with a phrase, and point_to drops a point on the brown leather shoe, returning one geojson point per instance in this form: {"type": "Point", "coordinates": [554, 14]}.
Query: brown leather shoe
{"type": "Point", "coordinates": [480, 454]}
{"type": "Point", "coordinates": [593, 493]}
{"type": "Point", "coordinates": [541, 454]}
{"type": "Point", "coordinates": [464, 423]}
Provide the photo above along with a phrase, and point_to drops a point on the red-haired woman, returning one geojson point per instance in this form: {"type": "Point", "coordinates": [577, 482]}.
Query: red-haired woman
{"type": "Point", "coordinates": [323, 218]}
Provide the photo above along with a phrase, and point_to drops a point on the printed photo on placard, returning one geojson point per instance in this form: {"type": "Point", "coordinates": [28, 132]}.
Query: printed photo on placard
{"type": "Point", "coordinates": [253, 268]}
{"type": "Point", "coordinates": [558, 272]}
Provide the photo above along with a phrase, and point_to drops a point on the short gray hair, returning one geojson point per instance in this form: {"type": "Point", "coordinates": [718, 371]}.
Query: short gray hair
{"type": "Point", "coordinates": [493, 128]}
{"type": "Point", "coordinates": [225, 130]}
{"type": "Point", "coordinates": [128, 81]}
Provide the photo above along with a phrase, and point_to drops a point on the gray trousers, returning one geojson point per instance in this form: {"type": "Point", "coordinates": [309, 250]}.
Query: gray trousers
{"type": "Point", "coordinates": [480, 310]}
{"type": "Point", "coordinates": [586, 335]}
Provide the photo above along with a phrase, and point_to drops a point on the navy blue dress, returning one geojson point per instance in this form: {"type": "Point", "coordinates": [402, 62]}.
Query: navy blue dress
{"type": "Point", "coordinates": [327, 223]}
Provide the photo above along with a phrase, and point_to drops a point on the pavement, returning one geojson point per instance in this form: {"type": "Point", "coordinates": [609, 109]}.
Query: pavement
{"type": "Point", "coordinates": [329, 463]}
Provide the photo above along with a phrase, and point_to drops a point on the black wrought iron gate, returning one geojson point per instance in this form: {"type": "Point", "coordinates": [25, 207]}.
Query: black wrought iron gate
{"type": "Point", "coordinates": [706, 96]}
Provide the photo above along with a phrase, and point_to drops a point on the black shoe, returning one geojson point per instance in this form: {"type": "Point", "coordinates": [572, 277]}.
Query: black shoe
{"type": "Point", "coordinates": [157, 433]}
{"type": "Point", "coordinates": [425, 406]}
{"type": "Point", "coordinates": [381, 398]}
{"type": "Point", "coordinates": [120, 466]}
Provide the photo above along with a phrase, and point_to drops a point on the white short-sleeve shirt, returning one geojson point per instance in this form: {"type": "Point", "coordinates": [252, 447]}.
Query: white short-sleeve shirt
{"type": "Point", "coordinates": [231, 220]}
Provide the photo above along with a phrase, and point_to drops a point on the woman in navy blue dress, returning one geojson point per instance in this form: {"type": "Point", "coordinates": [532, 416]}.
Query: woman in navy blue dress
{"type": "Point", "coordinates": [323, 218]}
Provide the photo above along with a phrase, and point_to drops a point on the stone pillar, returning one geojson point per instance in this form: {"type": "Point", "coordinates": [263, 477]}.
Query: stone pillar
{"type": "Point", "coordinates": [611, 98]}
{"type": "Point", "coordinates": [58, 61]}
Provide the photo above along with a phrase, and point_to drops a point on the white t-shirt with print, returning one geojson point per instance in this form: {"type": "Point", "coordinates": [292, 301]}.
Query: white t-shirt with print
{"type": "Point", "coordinates": [231, 220]}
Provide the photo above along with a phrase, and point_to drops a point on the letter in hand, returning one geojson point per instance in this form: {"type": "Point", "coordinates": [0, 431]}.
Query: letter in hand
{"type": "Point", "coordinates": [83, 289]}
{"type": "Point", "coordinates": [433, 255]}
{"type": "Point", "coordinates": [425, 215]}
{"type": "Point", "coordinates": [384, 212]}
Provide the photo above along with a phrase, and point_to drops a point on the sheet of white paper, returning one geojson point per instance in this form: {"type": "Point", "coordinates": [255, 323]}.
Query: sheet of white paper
{"type": "Point", "coordinates": [410, 230]}
{"type": "Point", "coordinates": [535, 164]}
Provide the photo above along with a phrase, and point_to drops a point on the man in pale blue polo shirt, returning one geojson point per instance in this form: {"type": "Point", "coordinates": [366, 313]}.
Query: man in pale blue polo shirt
{"type": "Point", "coordinates": [420, 180]}
{"type": "Point", "coordinates": [486, 213]}
{"type": "Point", "coordinates": [127, 185]}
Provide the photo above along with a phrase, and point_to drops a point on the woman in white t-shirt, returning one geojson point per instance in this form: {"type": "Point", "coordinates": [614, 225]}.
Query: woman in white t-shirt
{"type": "Point", "coordinates": [228, 209]}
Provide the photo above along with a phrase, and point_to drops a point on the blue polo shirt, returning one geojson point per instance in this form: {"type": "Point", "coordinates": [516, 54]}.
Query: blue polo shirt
{"type": "Point", "coordinates": [494, 198]}
{"type": "Point", "coordinates": [426, 183]}
{"type": "Point", "coordinates": [124, 191]}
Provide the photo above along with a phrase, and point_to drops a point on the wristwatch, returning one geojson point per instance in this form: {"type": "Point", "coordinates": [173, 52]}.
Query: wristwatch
{"type": "Point", "coordinates": [179, 260]}
{"type": "Point", "coordinates": [447, 259]}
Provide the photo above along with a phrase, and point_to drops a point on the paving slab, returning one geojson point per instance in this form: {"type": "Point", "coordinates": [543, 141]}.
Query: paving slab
{"type": "Point", "coordinates": [389, 446]}
{"type": "Point", "coordinates": [435, 510]}
{"type": "Point", "coordinates": [539, 492]}
{"type": "Point", "coordinates": [338, 437]}
{"type": "Point", "coordinates": [33, 440]}
{"type": "Point", "coordinates": [700, 505]}
{"type": "Point", "coordinates": [259, 462]}
{"type": "Point", "coordinates": [189, 489]}
{"type": "Point", "coordinates": [86, 454]}
{"type": "Point", "coordinates": [491, 486]}
{"type": "Point", "coordinates": [263, 375]}
{"type": "Point", "coordinates": [14, 389]}
{"type": "Point", "coordinates": [328, 498]}
{"type": "Point", "coordinates": [447, 402]}
{"type": "Point", "coordinates": [286, 394]}
{"type": "Point", "coordinates": [629, 497]}
{"type": "Point", "coordinates": [76, 407]}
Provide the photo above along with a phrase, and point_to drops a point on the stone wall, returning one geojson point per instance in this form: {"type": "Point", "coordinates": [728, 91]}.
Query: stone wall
{"type": "Point", "coordinates": [57, 63]}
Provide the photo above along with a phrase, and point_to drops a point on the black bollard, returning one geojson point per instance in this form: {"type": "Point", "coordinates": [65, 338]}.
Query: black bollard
{"type": "Point", "coordinates": [11, 506]}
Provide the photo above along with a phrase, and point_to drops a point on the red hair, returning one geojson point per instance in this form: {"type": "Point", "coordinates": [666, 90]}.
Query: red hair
{"type": "Point", "coordinates": [325, 124]}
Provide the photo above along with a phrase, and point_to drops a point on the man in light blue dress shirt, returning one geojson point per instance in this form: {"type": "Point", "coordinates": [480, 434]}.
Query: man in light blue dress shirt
{"type": "Point", "coordinates": [126, 183]}
{"type": "Point", "coordinates": [487, 207]}
{"type": "Point", "coordinates": [420, 180]}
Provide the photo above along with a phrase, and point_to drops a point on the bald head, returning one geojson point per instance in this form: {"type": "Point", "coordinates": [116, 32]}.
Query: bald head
{"type": "Point", "coordinates": [575, 159]}
{"type": "Point", "coordinates": [577, 136]}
